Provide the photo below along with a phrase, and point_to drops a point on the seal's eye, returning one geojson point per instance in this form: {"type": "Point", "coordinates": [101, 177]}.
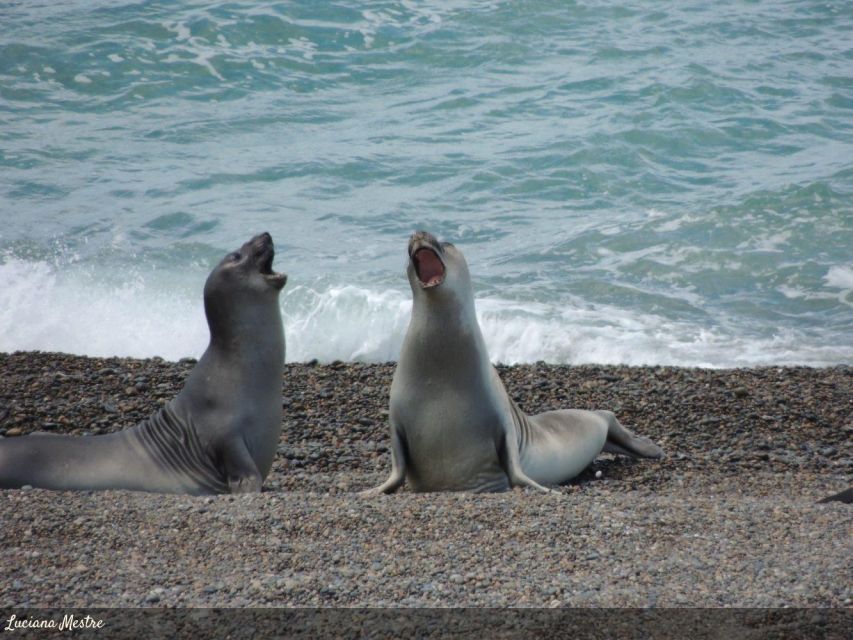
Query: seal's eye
{"type": "Point", "coordinates": [235, 257]}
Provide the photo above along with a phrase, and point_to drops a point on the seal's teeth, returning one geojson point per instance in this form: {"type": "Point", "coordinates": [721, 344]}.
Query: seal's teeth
{"type": "Point", "coordinates": [277, 280]}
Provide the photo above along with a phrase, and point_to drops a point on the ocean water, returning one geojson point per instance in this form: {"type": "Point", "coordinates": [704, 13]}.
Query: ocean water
{"type": "Point", "coordinates": [630, 182]}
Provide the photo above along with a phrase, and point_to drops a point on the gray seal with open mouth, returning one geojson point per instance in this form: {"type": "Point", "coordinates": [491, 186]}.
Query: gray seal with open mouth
{"type": "Point", "coordinates": [453, 426]}
{"type": "Point", "coordinates": [218, 435]}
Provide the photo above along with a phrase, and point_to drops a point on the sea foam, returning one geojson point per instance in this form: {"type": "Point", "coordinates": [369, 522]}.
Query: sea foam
{"type": "Point", "coordinates": [46, 310]}
{"type": "Point", "coordinates": [72, 310]}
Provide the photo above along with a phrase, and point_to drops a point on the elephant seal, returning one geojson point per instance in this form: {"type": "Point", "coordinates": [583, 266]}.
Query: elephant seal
{"type": "Point", "coordinates": [218, 435]}
{"type": "Point", "coordinates": [453, 426]}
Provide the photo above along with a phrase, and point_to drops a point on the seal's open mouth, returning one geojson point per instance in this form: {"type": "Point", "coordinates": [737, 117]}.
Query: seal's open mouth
{"type": "Point", "coordinates": [428, 267]}
{"type": "Point", "coordinates": [265, 261]}
{"type": "Point", "coordinates": [264, 256]}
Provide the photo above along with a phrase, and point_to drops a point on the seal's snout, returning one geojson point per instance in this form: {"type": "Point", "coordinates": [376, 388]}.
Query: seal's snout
{"type": "Point", "coordinates": [261, 242]}
{"type": "Point", "coordinates": [426, 255]}
{"type": "Point", "coordinates": [422, 238]}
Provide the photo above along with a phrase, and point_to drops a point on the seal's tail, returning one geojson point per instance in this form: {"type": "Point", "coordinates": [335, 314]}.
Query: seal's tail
{"type": "Point", "coordinates": [78, 463]}
{"type": "Point", "coordinates": [57, 461]}
{"type": "Point", "coordinates": [622, 440]}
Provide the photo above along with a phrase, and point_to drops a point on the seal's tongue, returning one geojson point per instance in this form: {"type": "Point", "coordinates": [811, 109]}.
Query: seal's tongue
{"type": "Point", "coordinates": [429, 267]}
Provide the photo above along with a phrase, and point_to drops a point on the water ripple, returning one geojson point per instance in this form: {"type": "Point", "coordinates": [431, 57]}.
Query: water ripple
{"type": "Point", "coordinates": [689, 164]}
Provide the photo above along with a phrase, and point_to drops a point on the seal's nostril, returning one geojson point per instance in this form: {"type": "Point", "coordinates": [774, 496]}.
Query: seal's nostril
{"type": "Point", "coordinates": [421, 238]}
{"type": "Point", "coordinates": [261, 239]}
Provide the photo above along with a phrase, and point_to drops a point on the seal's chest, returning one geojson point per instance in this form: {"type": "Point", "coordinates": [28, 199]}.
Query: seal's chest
{"type": "Point", "coordinates": [452, 431]}
{"type": "Point", "coordinates": [454, 451]}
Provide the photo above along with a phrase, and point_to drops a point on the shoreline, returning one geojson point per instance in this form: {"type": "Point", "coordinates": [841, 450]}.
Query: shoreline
{"type": "Point", "coordinates": [727, 518]}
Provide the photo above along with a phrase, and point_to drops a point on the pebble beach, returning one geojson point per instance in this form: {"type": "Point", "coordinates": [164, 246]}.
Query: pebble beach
{"type": "Point", "coordinates": [729, 518]}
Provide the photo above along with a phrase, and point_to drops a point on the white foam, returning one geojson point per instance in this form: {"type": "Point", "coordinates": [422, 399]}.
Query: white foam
{"type": "Point", "coordinates": [344, 323]}
{"type": "Point", "coordinates": [41, 309]}
{"type": "Point", "coordinates": [768, 242]}
{"type": "Point", "coordinates": [839, 277]}
{"type": "Point", "coordinates": [159, 314]}
{"type": "Point", "coordinates": [304, 46]}
{"type": "Point", "coordinates": [182, 32]}
{"type": "Point", "coordinates": [201, 50]}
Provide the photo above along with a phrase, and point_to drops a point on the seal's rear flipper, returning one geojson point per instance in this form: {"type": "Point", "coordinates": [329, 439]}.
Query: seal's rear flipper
{"type": "Point", "coordinates": [621, 440]}
{"type": "Point", "coordinates": [240, 468]}
{"type": "Point", "coordinates": [845, 497]}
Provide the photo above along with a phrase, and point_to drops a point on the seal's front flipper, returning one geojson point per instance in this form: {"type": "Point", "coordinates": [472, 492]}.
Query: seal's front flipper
{"type": "Point", "coordinates": [621, 440]}
{"type": "Point", "coordinates": [398, 468]}
{"type": "Point", "coordinates": [521, 480]}
{"type": "Point", "coordinates": [241, 472]}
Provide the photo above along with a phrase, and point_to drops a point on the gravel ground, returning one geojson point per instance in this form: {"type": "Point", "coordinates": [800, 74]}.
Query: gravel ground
{"type": "Point", "coordinates": [728, 518]}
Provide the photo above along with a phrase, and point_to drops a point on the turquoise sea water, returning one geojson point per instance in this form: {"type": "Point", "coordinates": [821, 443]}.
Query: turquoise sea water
{"type": "Point", "coordinates": [634, 183]}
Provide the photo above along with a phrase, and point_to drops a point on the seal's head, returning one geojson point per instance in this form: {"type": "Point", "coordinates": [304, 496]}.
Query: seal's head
{"type": "Point", "coordinates": [437, 270]}
{"type": "Point", "coordinates": [243, 288]}
{"type": "Point", "coordinates": [249, 269]}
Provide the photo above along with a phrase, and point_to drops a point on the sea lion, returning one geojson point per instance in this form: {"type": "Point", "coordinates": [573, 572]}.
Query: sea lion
{"type": "Point", "coordinates": [453, 426]}
{"type": "Point", "coordinates": [218, 435]}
